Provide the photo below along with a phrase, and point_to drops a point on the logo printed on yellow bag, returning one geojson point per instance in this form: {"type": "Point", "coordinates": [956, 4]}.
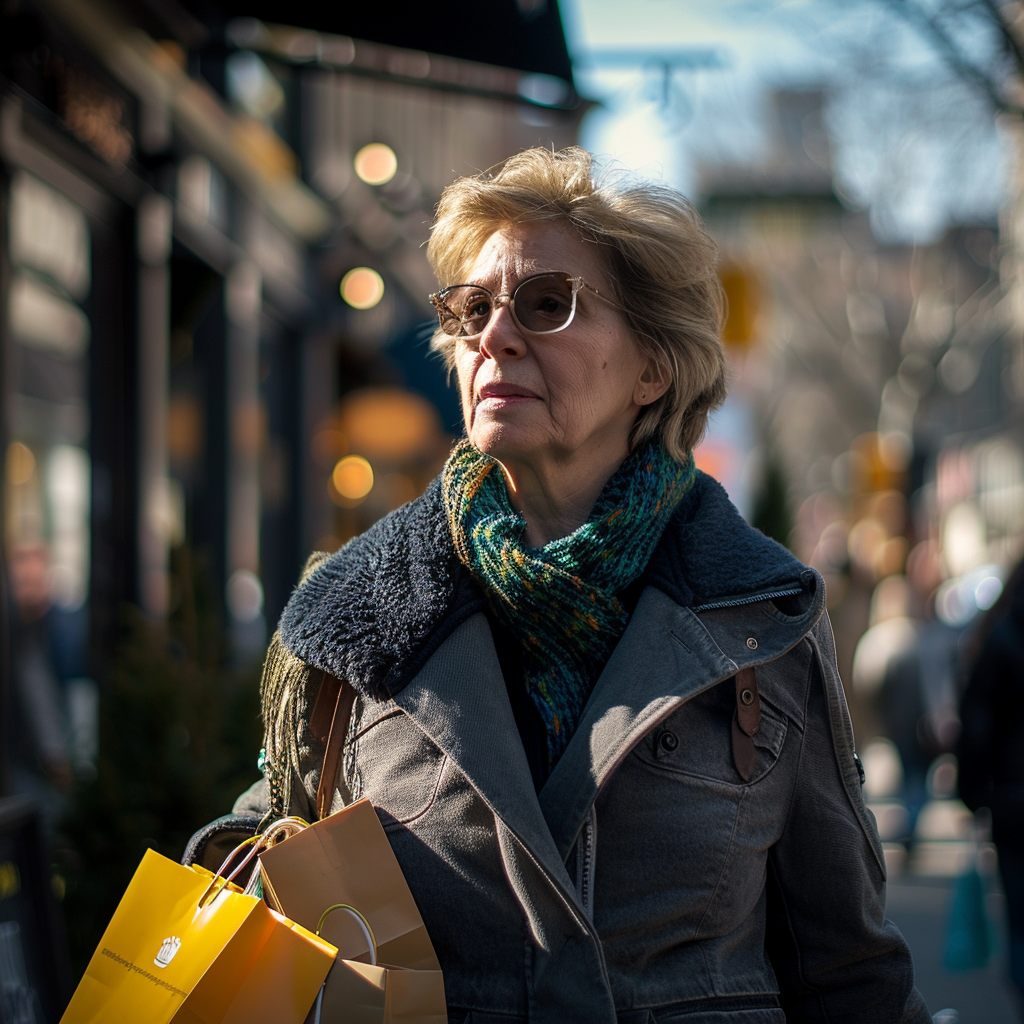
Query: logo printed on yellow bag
{"type": "Point", "coordinates": [170, 946]}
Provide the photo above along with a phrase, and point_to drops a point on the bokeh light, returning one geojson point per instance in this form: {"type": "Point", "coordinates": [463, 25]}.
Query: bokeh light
{"type": "Point", "coordinates": [353, 477]}
{"type": "Point", "coordinates": [376, 164]}
{"type": "Point", "coordinates": [388, 424]}
{"type": "Point", "coordinates": [21, 464]}
{"type": "Point", "coordinates": [362, 288]}
{"type": "Point", "coordinates": [244, 596]}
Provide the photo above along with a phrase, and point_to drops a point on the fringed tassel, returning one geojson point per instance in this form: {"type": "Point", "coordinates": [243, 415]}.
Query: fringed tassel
{"type": "Point", "coordinates": [284, 704]}
{"type": "Point", "coordinates": [285, 712]}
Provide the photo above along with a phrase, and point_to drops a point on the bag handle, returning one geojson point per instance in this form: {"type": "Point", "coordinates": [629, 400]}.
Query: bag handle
{"type": "Point", "coordinates": [371, 943]}
{"type": "Point", "coordinates": [329, 723]}
{"type": "Point", "coordinates": [364, 927]}
{"type": "Point", "coordinates": [282, 827]}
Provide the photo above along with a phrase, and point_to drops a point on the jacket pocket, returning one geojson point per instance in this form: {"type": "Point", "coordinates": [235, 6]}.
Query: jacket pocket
{"type": "Point", "coordinates": [696, 741]}
{"type": "Point", "coordinates": [398, 766]}
{"type": "Point", "coordinates": [686, 804]}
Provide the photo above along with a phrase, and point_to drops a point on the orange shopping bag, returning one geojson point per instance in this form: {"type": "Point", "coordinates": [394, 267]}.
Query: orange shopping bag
{"type": "Point", "coordinates": [185, 947]}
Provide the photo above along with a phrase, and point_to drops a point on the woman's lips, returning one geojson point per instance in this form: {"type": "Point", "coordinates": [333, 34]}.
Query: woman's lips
{"type": "Point", "coordinates": [500, 396]}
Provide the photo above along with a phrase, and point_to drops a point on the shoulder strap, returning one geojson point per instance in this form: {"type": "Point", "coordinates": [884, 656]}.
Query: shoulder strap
{"type": "Point", "coordinates": [329, 724]}
{"type": "Point", "coordinates": [745, 722]}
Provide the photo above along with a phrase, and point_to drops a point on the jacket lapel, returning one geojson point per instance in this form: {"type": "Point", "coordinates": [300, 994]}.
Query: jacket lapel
{"type": "Point", "coordinates": [459, 699]}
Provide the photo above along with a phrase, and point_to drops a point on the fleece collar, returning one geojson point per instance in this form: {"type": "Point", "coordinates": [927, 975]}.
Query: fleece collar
{"type": "Point", "coordinates": [375, 611]}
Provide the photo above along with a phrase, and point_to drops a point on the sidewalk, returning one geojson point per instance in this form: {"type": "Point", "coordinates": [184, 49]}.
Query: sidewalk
{"type": "Point", "coordinates": [920, 908]}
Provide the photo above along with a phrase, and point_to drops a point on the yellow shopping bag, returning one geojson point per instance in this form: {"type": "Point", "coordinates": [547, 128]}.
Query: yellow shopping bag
{"type": "Point", "coordinates": [183, 948]}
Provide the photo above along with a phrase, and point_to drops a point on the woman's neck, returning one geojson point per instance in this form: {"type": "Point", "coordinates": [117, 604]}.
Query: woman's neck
{"type": "Point", "coordinates": [556, 499]}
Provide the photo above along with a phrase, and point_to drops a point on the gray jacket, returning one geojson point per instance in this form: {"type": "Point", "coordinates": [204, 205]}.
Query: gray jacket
{"type": "Point", "coordinates": [647, 882]}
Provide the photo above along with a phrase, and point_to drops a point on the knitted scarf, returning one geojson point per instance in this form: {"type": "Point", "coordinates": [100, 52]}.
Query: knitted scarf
{"type": "Point", "coordinates": [561, 601]}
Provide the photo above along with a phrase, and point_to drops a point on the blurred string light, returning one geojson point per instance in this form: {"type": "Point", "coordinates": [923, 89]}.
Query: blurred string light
{"type": "Point", "coordinates": [353, 478]}
{"type": "Point", "coordinates": [376, 164]}
{"type": "Point", "coordinates": [362, 288]}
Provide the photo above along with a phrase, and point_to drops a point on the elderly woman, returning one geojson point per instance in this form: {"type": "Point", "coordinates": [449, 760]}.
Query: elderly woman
{"type": "Point", "coordinates": [598, 714]}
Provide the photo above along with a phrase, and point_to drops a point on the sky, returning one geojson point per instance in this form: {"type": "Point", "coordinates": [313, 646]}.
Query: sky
{"type": "Point", "coordinates": [916, 147]}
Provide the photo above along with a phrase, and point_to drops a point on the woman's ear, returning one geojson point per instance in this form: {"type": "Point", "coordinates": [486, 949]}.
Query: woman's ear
{"type": "Point", "coordinates": [653, 382]}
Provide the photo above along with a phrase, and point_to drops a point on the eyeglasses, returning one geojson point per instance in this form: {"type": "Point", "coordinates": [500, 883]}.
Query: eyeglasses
{"type": "Point", "coordinates": [541, 304]}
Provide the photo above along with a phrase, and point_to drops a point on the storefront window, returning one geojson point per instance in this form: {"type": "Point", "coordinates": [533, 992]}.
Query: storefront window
{"type": "Point", "coordinates": [48, 469]}
{"type": "Point", "coordinates": [47, 489]}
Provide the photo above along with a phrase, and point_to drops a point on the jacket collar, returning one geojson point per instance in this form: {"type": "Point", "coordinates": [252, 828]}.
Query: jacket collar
{"type": "Point", "coordinates": [375, 611]}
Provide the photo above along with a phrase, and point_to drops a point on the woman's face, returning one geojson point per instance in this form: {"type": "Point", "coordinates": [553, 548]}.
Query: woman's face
{"type": "Point", "coordinates": [544, 400]}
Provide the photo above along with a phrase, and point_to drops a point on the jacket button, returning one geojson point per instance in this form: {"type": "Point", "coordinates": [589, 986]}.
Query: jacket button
{"type": "Point", "coordinates": [752, 643]}
{"type": "Point", "coordinates": [747, 696]}
{"type": "Point", "coordinates": [669, 741]}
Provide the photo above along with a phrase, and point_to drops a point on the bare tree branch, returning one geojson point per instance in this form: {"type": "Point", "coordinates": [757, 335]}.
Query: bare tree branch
{"type": "Point", "coordinates": [955, 57]}
{"type": "Point", "coordinates": [1005, 30]}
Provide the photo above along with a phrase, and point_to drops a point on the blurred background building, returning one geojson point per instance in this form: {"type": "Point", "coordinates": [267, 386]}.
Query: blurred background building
{"type": "Point", "coordinates": [878, 379]}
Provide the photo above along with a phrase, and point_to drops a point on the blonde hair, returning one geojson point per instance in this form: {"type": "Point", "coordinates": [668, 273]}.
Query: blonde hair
{"type": "Point", "coordinates": [660, 258]}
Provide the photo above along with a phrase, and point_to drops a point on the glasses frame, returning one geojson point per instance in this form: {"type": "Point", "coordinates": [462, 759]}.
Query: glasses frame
{"type": "Point", "coordinates": [509, 299]}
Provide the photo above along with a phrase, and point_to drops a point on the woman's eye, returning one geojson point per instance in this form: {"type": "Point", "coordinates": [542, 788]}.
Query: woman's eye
{"type": "Point", "coordinates": [550, 305]}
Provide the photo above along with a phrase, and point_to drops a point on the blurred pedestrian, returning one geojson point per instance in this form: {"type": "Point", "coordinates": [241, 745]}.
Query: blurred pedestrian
{"type": "Point", "coordinates": [885, 672]}
{"type": "Point", "coordinates": [39, 720]}
{"type": "Point", "coordinates": [906, 667]}
{"type": "Point", "coordinates": [991, 750]}
{"type": "Point", "coordinates": [598, 714]}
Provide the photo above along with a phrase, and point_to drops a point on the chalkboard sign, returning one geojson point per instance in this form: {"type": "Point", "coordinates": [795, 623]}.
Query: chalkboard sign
{"type": "Point", "coordinates": [35, 974]}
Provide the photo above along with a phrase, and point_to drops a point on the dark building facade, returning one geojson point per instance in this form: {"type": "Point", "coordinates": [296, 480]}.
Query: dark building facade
{"type": "Point", "coordinates": [183, 189]}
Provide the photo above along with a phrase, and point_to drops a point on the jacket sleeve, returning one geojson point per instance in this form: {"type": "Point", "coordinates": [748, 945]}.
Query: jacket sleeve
{"type": "Point", "coordinates": [837, 959]}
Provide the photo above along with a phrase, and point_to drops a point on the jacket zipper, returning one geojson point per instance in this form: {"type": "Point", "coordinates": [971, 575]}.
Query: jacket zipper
{"type": "Point", "coordinates": [586, 858]}
{"type": "Point", "coordinates": [588, 839]}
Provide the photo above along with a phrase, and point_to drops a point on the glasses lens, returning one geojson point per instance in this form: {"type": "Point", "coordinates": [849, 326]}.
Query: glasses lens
{"type": "Point", "coordinates": [464, 310]}
{"type": "Point", "coordinates": [544, 303]}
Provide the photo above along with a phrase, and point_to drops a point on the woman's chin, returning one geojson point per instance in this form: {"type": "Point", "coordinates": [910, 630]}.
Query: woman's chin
{"type": "Point", "coordinates": [504, 443]}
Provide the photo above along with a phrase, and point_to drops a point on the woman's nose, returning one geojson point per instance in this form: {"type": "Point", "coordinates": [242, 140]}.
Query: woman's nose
{"type": "Point", "coordinates": [501, 338]}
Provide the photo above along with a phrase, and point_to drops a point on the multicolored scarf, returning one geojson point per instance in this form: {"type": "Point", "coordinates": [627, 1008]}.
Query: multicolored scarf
{"type": "Point", "coordinates": [562, 601]}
